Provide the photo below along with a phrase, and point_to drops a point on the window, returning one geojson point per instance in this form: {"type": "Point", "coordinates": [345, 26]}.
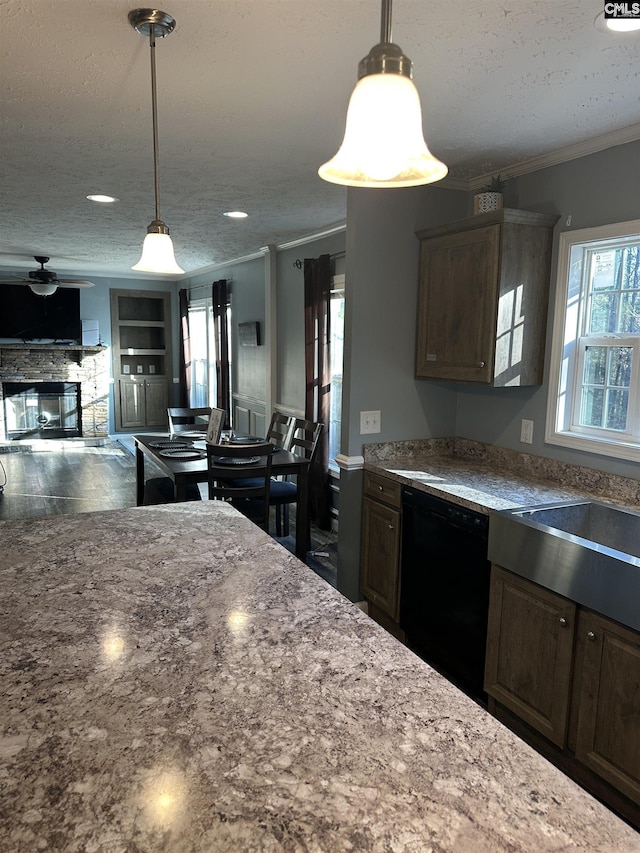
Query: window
{"type": "Point", "coordinates": [594, 401]}
{"type": "Point", "coordinates": [336, 350]}
{"type": "Point", "coordinates": [202, 338]}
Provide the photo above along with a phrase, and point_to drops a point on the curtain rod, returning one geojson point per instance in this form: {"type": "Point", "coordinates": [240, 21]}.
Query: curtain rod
{"type": "Point", "coordinates": [200, 286]}
{"type": "Point", "coordinates": [298, 263]}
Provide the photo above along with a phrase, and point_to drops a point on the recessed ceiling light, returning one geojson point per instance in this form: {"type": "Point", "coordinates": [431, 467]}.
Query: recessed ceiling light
{"type": "Point", "coordinates": [616, 25]}
{"type": "Point", "coordinates": [103, 199]}
{"type": "Point", "coordinates": [235, 214]}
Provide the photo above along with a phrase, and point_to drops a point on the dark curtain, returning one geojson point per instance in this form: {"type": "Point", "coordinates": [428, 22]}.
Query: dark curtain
{"type": "Point", "coordinates": [317, 288]}
{"type": "Point", "coordinates": [184, 387]}
{"type": "Point", "coordinates": [220, 321]}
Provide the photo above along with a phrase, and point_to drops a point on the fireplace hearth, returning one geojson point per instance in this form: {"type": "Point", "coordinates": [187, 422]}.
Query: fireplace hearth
{"type": "Point", "coordinates": [42, 409]}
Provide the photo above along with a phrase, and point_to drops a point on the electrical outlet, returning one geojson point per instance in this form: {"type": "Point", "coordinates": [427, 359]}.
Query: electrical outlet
{"type": "Point", "coordinates": [369, 422]}
{"type": "Point", "coordinates": [526, 432]}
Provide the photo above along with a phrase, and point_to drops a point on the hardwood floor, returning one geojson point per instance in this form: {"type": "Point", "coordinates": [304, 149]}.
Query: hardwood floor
{"type": "Point", "coordinates": [58, 477]}
{"type": "Point", "coordinates": [41, 480]}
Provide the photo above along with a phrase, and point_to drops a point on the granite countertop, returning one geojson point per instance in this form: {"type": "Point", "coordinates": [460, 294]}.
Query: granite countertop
{"type": "Point", "coordinates": [173, 680]}
{"type": "Point", "coordinates": [484, 485]}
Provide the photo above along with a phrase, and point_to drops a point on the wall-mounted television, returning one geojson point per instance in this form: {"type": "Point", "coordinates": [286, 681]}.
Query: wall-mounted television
{"type": "Point", "coordinates": [28, 317]}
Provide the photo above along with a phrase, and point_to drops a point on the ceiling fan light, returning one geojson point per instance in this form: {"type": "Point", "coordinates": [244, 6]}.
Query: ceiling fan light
{"type": "Point", "coordinates": [42, 289]}
{"type": "Point", "coordinates": [157, 255]}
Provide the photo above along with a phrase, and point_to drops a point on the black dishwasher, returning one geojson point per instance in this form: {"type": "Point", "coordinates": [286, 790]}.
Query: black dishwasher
{"type": "Point", "coordinates": [444, 587]}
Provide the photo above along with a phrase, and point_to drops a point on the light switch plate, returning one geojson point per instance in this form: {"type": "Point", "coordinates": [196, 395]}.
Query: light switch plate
{"type": "Point", "coordinates": [369, 422]}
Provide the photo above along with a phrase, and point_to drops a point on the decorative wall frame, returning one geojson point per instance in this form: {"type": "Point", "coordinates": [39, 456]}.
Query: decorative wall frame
{"type": "Point", "coordinates": [249, 334]}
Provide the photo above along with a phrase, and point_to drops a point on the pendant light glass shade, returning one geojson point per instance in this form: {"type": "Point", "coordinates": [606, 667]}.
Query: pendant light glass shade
{"type": "Point", "coordinates": [157, 255]}
{"type": "Point", "coordinates": [383, 144]}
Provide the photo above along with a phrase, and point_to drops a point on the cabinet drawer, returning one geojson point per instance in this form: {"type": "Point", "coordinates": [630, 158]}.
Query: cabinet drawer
{"type": "Point", "coordinates": [382, 489]}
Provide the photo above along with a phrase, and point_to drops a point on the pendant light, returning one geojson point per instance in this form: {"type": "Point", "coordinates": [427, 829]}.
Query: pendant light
{"type": "Point", "coordinates": [383, 144]}
{"type": "Point", "coordinates": [157, 249]}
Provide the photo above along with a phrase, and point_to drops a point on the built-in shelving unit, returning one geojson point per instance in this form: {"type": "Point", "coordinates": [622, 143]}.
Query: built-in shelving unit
{"type": "Point", "coordinates": [142, 367]}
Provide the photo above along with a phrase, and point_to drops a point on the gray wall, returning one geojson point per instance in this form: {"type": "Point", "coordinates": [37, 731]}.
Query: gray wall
{"type": "Point", "coordinates": [248, 305]}
{"type": "Point", "coordinates": [380, 323]}
{"type": "Point", "coordinates": [290, 314]}
{"type": "Point", "coordinates": [246, 282]}
{"type": "Point", "coordinates": [382, 287]}
{"type": "Point", "coordinates": [596, 190]}
{"type": "Point", "coordinates": [382, 272]}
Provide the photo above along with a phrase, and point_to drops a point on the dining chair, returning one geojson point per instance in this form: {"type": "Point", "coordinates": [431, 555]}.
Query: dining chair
{"type": "Point", "coordinates": [280, 430]}
{"type": "Point", "coordinates": [305, 436]}
{"type": "Point", "coordinates": [246, 491]}
{"type": "Point", "coordinates": [160, 490]}
{"type": "Point", "coordinates": [279, 434]}
{"type": "Point", "coordinates": [183, 419]}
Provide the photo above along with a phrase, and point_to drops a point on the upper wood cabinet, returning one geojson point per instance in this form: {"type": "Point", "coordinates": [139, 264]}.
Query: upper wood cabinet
{"type": "Point", "coordinates": [482, 298]}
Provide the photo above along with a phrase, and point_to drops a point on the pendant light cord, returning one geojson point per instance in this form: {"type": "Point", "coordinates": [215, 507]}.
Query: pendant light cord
{"type": "Point", "coordinates": [154, 114]}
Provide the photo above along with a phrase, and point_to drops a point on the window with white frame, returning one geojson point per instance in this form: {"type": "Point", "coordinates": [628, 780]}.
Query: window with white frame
{"type": "Point", "coordinates": [202, 340]}
{"type": "Point", "coordinates": [594, 389]}
{"type": "Point", "coordinates": [336, 349]}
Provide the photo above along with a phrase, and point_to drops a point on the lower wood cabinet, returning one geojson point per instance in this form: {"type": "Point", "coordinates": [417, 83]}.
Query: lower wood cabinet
{"type": "Point", "coordinates": [608, 725]}
{"type": "Point", "coordinates": [381, 539]}
{"type": "Point", "coordinates": [530, 652]}
{"type": "Point", "coordinates": [573, 676]}
{"type": "Point", "coordinates": [143, 403]}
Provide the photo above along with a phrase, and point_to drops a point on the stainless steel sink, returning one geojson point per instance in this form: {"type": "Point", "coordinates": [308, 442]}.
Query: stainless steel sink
{"type": "Point", "coordinates": [585, 550]}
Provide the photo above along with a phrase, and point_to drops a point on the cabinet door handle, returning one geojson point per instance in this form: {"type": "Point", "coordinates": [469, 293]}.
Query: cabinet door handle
{"type": "Point", "coordinates": [391, 527]}
{"type": "Point", "coordinates": [591, 635]}
{"type": "Point", "coordinates": [563, 621]}
{"type": "Point", "coordinates": [381, 488]}
{"type": "Point", "coordinates": [481, 363]}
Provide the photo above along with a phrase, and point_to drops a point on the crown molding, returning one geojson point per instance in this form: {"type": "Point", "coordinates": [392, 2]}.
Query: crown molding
{"type": "Point", "coordinates": [329, 231]}
{"type": "Point", "coordinates": [563, 155]}
{"type": "Point", "coordinates": [552, 158]}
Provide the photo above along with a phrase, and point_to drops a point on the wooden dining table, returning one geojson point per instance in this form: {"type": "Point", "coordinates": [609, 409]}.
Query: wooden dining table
{"type": "Point", "coordinates": [184, 471]}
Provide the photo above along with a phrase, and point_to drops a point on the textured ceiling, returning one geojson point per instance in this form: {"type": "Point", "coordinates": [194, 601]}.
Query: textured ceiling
{"type": "Point", "coordinates": [252, 99]}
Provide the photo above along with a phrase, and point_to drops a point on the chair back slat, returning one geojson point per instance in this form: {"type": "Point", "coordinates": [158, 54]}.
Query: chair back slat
{"type": "Point", "coordinates": [182, 419]}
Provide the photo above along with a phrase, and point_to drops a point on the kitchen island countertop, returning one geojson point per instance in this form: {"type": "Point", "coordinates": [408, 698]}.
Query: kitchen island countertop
{"type": "Point", "coordinates": [173, 680]}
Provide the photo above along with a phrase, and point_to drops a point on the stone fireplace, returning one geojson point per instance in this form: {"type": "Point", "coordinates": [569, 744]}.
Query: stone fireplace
{"type": "Point", "coordinates": [65, 391]}
{"type": "Point", "coordinates": [42, 409]}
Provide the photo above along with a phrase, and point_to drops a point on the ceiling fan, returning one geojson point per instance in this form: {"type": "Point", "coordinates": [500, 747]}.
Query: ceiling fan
{"type": "Point", "coordinates": [45, 282]}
